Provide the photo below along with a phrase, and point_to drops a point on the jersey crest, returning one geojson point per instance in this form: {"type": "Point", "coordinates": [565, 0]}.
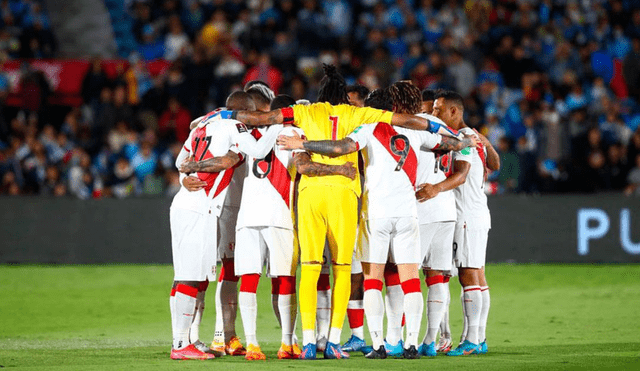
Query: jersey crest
{"type": "Point", "coordinates": [397, 145]}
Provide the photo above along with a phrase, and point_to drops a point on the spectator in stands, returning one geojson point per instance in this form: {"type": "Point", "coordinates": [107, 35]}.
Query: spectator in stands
{"type": "Point", "coordinates": [176, 42]}
{"type": "Point", "coordinates": [633, 179]}
{"type": "Point", "coordinates": [144, 161]}
{"type": "Point", "coordinates": [83, 183]}
{"type": "Point", "coordinates": [174, 122]}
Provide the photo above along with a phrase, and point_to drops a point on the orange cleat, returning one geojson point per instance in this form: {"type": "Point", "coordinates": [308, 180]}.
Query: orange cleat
{"type": "Point", "coordinates": [286, 352]}
{"type": "Point", "coordinates": [218, 346]}
{"type": "Point", "coordinates": [254, 353]}
{"type": "Point", "coordinates": [296, 350]}
{"type": "Point", "coordinates": [234, 347]}
{"type": "Point", "coordinates": [190, 352]}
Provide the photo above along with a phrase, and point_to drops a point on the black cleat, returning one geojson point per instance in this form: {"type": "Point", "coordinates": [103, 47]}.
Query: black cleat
{"type": "Point", "coordinates": [411, 353]}
{"type": "Point", "coordinates": [380, 353]}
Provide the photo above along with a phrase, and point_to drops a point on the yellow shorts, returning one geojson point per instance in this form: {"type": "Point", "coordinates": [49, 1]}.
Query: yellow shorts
{"type": "Point", "coordinates": [330, 213]}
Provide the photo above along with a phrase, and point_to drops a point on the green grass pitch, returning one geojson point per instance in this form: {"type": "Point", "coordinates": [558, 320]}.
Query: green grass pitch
{"type": "Point", "coordinates": [117, 317]}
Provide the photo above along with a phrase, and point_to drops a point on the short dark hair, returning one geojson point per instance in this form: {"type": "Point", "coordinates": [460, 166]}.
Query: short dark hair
{"type": "Point", "coordinates": [239, 100]}
{"type": "Point", "coordinates": [259, 98]}
{"type": "Point", "coordinates": [361, 90]}
{"type": "Point", "coordinates": [451, 96]}
{"type": "Point", "coordinates": [406, 97]}
{"type": "Point", "coordinates": [380, 99]}
{"type": "Point", "coordinates": [428, 94]}
{"type": "Point", "coordinates": [282, 101]}
{"type": "Point", "coordinates": [333, 88]}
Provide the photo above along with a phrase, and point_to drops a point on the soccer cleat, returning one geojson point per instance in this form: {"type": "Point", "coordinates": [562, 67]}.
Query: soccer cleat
{"type": "Point", "coordinates": [286, 352]}
{"type": "Point", "coordinates": [394, 350]}
{"type": "Point", "coordinates": [444, 344]}
{"type": "Point", "coordinates": [411, 353]}
{"type": "Point", "coordinates": [354, 344]}
{"type": "Point", "coordinates": [483, 347]}
{"type": "Point", "coordinates": [428, 350]}
{"type": "Point", "coordinates": [296, 350]}
{"type": "Point", "coordinates": [218, 346]}
{"type": "Point", "coordinates": [308, 352]}
{"type": "Point", "coordinates": [366, 349]}
{"type": "Point", "coordinates": [380, 353]}
{"type": "Point", "coordinates": [190, 352]}
{"type": "Point", "coordinates": [254, 353]}
{"type": "Point", "coordinates": [321, 344]}
{"type": "Point", "coordinates": [234, 347]}
{"type": "Point", "coordinates": [333, 351]}
{"type": "Point", "coordinates": [464, 349]}
{"type": "Point", "coordinates": [204, 348]}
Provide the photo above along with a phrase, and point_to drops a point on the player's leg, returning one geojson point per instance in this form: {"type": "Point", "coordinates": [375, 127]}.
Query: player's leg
{"type": "Point", "coordinates": [323, 311]}
{"type": "Point", "coordinates": [342, 221]}
{"type": "Point", "coordinates": [444, 343]}
{"type": "Point", "coordinates": [408, 257]}
{"type": "Point", "coordinates": [374, 306]}
{"type": "Point", "coordinates": [311, 234]}
{"type": "Point", "coordinates": [394, 309]}
{"type": "Point", "coordinates": [194, 330]}
{"type": "Point", "coordinates": [355, 309]}
{"type": "Point", "coordinates": [250, 255]}
{"type": "Point", "coordinates": [190, 257]}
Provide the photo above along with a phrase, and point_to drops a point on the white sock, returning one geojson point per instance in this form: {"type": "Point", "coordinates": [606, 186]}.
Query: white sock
{"type": "Point", "coordinates": [394, 304]}
{"type": "Point", "coordinates": [185, 307]}
{"type": "Point", "coordinates": [472, 309]}
{"type": "Point", "coordinates": [374, 311]}
{"type": "Point", "coordinates": [465, 321]}
{"type": "Point", "coordinates": [249, 313]}
{"type": "Point", "coordinates": [334, 335]}
{"type": "Point", "coordinates": [356, 331]}
{"type": "Point", "coordinates": [323, 313]}
{"type": "Point", "coordinates": [484, 313]}
{"type": "Point", "coordinates": [308, 337]}
{"type": "Point", "coordinates": [288, 310]}
{"type": "Point", "coordinates": [194, 331]}
{"type": "Point", "coordinates": [276, 310]}
{"type": "Point", "coordinates": [413, 308]}
{"type": "Point", "coordinates": [218, 335]}
{"type": "Point", "coordinates": [435, 310]}
{"type": "Point", "coordinates": [445, 330]}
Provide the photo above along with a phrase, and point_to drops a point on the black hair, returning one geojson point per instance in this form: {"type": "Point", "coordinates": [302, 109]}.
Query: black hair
{"type": "Point", "coordinates": [380, 99]}
{"type": "Point", "coordinates": [361, 90]}
{"type": "Point", "coordinates": [451, 96]}
{"type": "Point", "coordinates": [406, 97]}
{"type": "Point", "coordinates": [258, 97]}
{"type": "Point", "coordinates": [428, 94]}
{"type": "Point", "coordinates": [239, 100]}
{"type": "Point", "coordinates": [282, 101]}
{"type": "Point", "coordinates": [332, 86]}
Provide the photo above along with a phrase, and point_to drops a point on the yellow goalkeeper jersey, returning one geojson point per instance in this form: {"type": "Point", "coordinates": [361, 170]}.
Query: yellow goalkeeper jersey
{"type": "Point", "coordinates": [323, 121]}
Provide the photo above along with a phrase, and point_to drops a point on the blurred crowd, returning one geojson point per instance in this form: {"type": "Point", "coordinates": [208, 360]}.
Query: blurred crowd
{"type": "Point", "coordinates": [553, 84]}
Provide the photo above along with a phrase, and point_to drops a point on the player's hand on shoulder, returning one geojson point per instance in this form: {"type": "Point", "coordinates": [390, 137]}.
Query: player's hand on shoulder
{"type": "Point", "coordinates": [482, 138]}
{"type": "Point", "coordinates": [193, 184]}
{"type": "Point", "coordinates": [292, 142]}
{"type": "Point", "coordinates": [349, 170]}
{"type": "Point", "coordinates": [474, 140]}
{"type": "Point", "coordinates": [426, 191]}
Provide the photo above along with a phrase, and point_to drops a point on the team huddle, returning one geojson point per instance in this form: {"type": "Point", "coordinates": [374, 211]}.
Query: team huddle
{"type": "Point", "coordinates": [370, 186]}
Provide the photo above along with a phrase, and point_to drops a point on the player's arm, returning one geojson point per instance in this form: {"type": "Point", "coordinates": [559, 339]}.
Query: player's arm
{"type": "Point", "coordinates": [418, 123]}
{"type": "Point", "coordinates": [305, 166]}
{"type": "Point", "coordinates": [427, 191]}
{"type": "Point", "coordinates": [332, 148]}
{"type": "Point", "coordinates": [252, 147]}
{"type": "Point", "coordinates": [493, 158]}
{"type": "Point", "coordinates": [447, 144]}
{"type": "Point", "coordinates": [212, 165]}
{"type": "Point", "coordinates": [191, 183]}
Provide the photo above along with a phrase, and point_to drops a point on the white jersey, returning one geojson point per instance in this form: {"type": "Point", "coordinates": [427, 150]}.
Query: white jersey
{"type": "Point", "coordinates": [207, 141]}
{"type": "Point", "coordinates": [471, 201]}
{"type": "Point", "coordinates": [267, 195]}
{"type": "Point", "coordinates": [391, 164]}
{"type": "Point", "coordinates": [234, 195]}
{"type": "Point", "coordinates": [441, 208]}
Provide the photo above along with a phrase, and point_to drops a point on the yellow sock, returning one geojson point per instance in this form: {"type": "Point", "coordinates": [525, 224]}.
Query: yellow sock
{"type": "Point", "coordinates": [340, 299]}
{"type": "Point", "coordinates": [308, 294]}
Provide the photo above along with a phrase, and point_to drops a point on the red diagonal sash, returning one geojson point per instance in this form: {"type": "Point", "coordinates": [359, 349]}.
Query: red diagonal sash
{"type": "Point", "coordinates": [398, 147]}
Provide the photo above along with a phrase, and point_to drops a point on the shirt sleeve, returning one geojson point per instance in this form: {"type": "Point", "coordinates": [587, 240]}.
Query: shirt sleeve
{"type": "Point", "coordinates": [429, 140]}
{"type": "Point", "coordinates": [368, 115]}
{"type": "Point", "coordinates": [249, 145]}
{"type": "Point", "coordinates": [185, 151]}
{"type": "Point", "coordinates": [464, 154]}
{"type": "Point", "coordinates": [361, 135]}
{"type": "Point", "coordinates": [300, 115]}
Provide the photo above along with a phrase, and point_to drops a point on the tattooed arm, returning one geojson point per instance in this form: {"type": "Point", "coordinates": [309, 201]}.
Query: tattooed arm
{"type": "Point", "coordinates": [212, 165]}
{"type": "Point", "coordinates": [451, 144]}
{"type": "Point", "coordinates": [305, 166]}
{"type": "Point", "coordinates": [332, 148]}
{"type": "Point", "coordinates": [257, 118]}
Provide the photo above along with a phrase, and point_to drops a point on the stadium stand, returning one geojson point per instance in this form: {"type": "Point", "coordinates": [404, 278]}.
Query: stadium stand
{"type": "Point", "coordinates": [555, 85]}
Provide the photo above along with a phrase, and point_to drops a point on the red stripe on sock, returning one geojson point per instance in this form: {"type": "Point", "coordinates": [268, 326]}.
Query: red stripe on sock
{"type": "Point", "coordinates": [372, 284]}
{"type": "Point", "coordinates": [187, 290]}
{"type": "Point", "coordinates": [412, 285]}
{"type": "Point", "coordinates": [435, 279]}
{"type": "Point", "coordinates": [485, 289]}
{"type": "Point", "coordinates": [287, 285]}
{"type": "Point", "coordinates": [404, 320]}
{"type": "Point", "coordinates": [249, 283]}
{"type": "Point", "coordinates": [275, 284]}
{"type": "Point", "coordinates": [173, 291]}
{"type": "Point", "coordinates": [227, 273]}
{"type": "Point", "coordinates": [391, 278]}
{"type": "Point", "coordinates": [446, 279]}
{"type": "Point", "coordinates": [356, 317]}
{"type": "Point", "coordinates": [203, 286]}
{"type": "Point", "coordinates": [323, 283]}
{"type": "Point", "coordinates": [472, 289]}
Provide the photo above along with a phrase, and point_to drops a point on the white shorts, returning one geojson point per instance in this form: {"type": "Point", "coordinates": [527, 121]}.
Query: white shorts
{"type": "Point", "coordinates": [437, 245]}
{"type": "Point", "coordinates": [227, 231]}
{"type": "Point", "coordinates": [193, 245]}
{"type": "Point", "coordinates": [272, 246]}
{"type": "Point", "coordinates": [395, 238]}
{"type": "Point", "coordinates": [470, 246]}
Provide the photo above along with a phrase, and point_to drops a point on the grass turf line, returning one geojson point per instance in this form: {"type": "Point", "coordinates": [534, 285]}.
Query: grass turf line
{"type": "Point", "coordinates": [117, 317]}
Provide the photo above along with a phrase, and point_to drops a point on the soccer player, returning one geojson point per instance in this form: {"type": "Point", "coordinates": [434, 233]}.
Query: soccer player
{"type": "Point", "coordinates": [357, 94]}
{"type": "Point", "coordinates": [327, 206]}
{"type": "Point", "coordinates": [389, 212]}
{"type": "Point", "coordinates": [428, 96]}
{"type": "Point", "coordinates": [472, 225]}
